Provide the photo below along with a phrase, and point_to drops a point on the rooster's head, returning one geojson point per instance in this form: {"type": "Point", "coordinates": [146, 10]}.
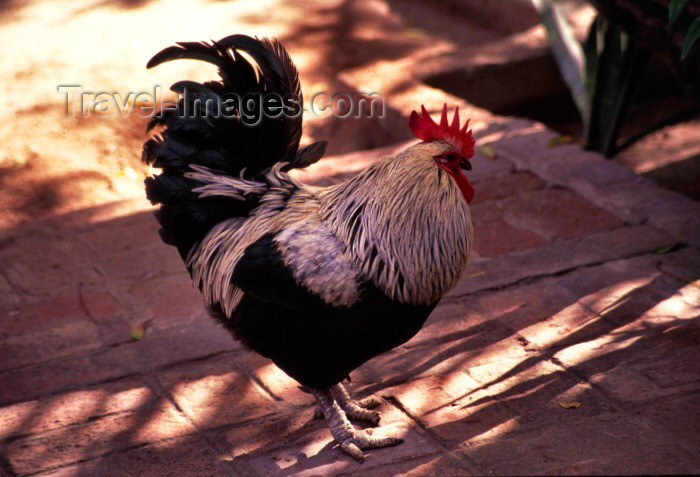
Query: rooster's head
{"type": "Point", "coordinates": [455, 159]}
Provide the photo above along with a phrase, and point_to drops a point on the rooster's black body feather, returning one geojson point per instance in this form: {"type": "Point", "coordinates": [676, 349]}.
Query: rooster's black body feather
{"type": "Point", "coordinates": [315, 343]}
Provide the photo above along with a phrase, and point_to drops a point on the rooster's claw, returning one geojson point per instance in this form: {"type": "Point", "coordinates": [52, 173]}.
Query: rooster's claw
{"type": "Point", "coordinates": [359, 440]}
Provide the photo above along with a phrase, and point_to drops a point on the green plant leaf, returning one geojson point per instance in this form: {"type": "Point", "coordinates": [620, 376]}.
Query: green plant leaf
{"type": "Point", "coordinates": [590, 56]}
{"type": "Point", "coordinates": [566, 49]}
{"type": "Point", "coordinates": [690, 37]}
{"type": "Point", "coordinates": [674, 9]}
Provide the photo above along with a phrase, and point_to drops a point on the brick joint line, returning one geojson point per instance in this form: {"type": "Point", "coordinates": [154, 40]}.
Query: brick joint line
{"type": "Point", "coordinates": [466, 462]}
{"type": "Point", "coordinates": [520, 281]}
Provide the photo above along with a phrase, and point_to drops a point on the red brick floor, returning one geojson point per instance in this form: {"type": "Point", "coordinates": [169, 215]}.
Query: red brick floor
{"type": "Point", "coordinates": [578, 309]}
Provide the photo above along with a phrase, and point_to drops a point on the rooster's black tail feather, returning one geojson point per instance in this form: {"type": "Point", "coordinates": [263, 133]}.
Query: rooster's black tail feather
{"type": "Point", "coordinates": [216, 125]}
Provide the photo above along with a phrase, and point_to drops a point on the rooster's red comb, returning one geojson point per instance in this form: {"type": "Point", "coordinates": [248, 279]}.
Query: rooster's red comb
{"type": "Point", "coordinates": [425, 128]}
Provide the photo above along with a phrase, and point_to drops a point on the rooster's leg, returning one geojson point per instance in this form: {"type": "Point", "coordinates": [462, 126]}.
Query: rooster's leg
{"type": "Point", "coordinates": [351, 440]}
{"type": "Point", "coordinates": [357, 410]}
{"type": "Point", "coordinates": [354, 410]}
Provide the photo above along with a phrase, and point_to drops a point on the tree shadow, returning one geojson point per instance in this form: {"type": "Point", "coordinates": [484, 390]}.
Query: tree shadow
{"type": "Point", "coordinates": [122, 4]}
{"type": "Point", "coordinates": [11, 10]}
{"type": "Point", "coordinates": [121, 435]}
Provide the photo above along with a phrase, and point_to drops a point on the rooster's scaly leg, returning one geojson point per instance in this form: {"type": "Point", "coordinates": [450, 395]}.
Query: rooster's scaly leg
{"type": "Point", "coordinates": [351, 440]}
{"type": "Point", "coordinates": [355, 410]}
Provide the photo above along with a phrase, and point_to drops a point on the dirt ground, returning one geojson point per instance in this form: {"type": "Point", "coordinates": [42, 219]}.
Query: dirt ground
{"type": "Point", "coordinates": [52, 163]}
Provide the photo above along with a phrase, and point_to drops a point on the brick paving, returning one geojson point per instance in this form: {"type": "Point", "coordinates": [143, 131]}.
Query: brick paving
{"type": "Point", "coordinates": [586, 312]}
{"type": "Point", "coordinates": [567, 300]}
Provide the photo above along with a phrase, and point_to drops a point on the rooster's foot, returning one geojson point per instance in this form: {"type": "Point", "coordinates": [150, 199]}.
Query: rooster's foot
{"type": "Point", "coordinates": [355, 410]}
{"type": "Point", "coordinates": [356, 440]}
{"type": "Point", "coordinates": [351, 440]}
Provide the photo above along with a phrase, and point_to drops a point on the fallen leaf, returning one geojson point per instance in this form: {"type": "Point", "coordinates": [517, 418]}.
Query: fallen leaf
{"type": "Point", "coordinates": [414, 34]}
{"type": "Point", "coordinates": [140, 331]}
{"type": "Point", "coordinates": [570, 404]}
{"type": "Point", "coordinates": [563, 139]}
{"type": "Point", "coordinates": [487, 151]}
{"type": "Point", "coordinates": [669, 248]}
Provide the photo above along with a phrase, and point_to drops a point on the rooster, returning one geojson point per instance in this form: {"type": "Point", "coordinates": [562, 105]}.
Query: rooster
{"type": "Point", "coordinates": [319, 280]}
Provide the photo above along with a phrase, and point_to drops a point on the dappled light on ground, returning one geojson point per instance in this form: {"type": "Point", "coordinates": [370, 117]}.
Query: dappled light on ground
{"type": "Point", "coordinates": [483, 384]}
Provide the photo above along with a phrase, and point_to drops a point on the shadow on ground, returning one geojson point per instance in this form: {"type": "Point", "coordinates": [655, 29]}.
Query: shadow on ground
{"type": "Point", "coordinates": [487, 371]}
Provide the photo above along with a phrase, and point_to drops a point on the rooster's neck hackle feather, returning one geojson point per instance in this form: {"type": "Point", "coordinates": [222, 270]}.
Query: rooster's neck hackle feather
{"type": "Point", "coordinates": [405, 224]}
